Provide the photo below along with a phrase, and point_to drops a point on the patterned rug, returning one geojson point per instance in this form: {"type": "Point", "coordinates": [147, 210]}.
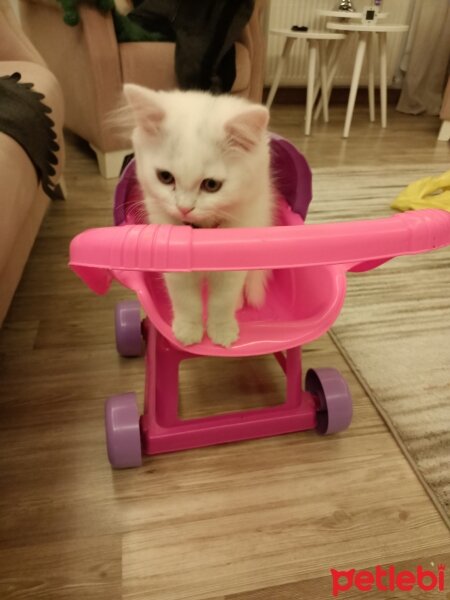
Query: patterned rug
{"type": "Point", "coordinates": [394, 329]}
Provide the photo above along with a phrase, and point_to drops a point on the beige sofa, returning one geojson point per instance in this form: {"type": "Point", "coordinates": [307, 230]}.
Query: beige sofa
{"type": "Point", "coordinates": [444, 133]}
{"type": "Point", "coordinates": [92, 68]}
{"type": "Point", "coordinates": [22, 201]}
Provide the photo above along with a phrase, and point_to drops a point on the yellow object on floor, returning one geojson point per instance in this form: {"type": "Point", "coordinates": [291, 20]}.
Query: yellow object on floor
{"type": "Point", "coordinates": [429, 192]}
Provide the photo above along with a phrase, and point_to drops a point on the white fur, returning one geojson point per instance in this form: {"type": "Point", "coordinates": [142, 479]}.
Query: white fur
{"type": "Point", "coordinates": [197, 136]}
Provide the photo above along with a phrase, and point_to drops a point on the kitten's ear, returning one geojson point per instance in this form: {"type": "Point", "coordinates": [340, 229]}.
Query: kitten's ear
{"type": "Point", "coordinates": [146, 106]}
{"type": "Point", "coordinates": [245, 130]}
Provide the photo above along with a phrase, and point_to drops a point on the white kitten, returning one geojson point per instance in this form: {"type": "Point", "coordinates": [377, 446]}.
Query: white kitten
{"type": "Point", "coordinates": [204, 160]}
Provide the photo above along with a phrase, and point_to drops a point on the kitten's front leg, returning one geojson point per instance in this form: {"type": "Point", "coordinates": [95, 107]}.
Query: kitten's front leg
{"type": "Point", "coordinates": [225, 289]}
{"type": "Point", "coordinates": [185, 294]}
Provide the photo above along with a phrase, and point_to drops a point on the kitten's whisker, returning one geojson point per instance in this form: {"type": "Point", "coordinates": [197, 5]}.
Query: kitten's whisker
{"type": "Point", "coordinates": [136, 206]}
{"type": "Point", "coordinates": [139, 210]}
{"type": "Point", "coordinates": [133, 205]}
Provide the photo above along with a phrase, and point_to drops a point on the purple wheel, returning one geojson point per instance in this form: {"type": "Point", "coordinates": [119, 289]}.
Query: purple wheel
{"type": "Point", "coordinates": [334, 402]}
{"type": "Point", "coordinates": [123, 436]}
{"type": "Point", "coordinates": [129, 340]}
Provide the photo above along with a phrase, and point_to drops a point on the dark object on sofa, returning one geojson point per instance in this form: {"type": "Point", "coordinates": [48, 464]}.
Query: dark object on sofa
{"type": "Point", "coordinates": [126, 30]}
{"type": "Point", "coordinates": [70, 9]}
{"type": "Point", "coordinates": [204, 31]}
{"type": "Point", "coordinates": [24, 117]}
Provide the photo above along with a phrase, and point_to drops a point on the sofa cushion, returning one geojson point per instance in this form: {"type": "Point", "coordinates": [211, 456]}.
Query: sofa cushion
{"type": "Point", "coordinates": [19, 251]}
{"type": "Point", "coordinates": [19, 188]}
{"type": "Point", "coordinates": [14, 45]}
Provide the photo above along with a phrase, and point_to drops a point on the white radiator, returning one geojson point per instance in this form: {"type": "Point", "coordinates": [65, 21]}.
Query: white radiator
{"type": "Point", "coordinates": [285, 13]}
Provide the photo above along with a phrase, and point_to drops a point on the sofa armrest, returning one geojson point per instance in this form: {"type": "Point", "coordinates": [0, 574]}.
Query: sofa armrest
{"type": "Point", "coordinates": [254, 40]}
{"type": "Point", "coordinates": [93, 84]}
{"type": "Point", "coordinates": [14, 44]}
{"type": "Point", "coordinates": [104, 57]}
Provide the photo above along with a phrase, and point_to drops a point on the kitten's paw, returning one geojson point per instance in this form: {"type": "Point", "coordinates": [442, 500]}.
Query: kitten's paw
{"type": "Point", "coordinates": [255, 288]}
{"type": "Point", "coordinates": [241, 301]}
{"type": "Point", "coordinates": [223, 333]}
{"type": "Point", "coordinates": [187, 332]}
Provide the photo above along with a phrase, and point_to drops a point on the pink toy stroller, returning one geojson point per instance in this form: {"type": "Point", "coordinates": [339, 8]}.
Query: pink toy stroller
{"type": "Point", "coordinates": [305, 296]}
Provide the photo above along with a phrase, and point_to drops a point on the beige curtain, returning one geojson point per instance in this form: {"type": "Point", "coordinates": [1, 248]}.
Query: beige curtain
{"type": "Point", "coordinates": [428, 54]}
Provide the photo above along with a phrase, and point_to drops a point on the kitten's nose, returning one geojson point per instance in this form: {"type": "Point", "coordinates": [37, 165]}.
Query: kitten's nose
{"type": "Point", "coordinates": [184, 210]}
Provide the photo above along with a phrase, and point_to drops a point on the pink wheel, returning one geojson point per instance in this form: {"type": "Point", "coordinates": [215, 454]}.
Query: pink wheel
{"type": "Point", "coordinates": [129, 340]}
{"type": "Point", "coordinates": [123, 436]}
{"type": "Point", "coordinates": [334, 402]}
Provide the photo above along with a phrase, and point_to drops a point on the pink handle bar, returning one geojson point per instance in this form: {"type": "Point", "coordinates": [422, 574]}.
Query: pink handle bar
{"type": "Point", "coordinates": [177, 248]}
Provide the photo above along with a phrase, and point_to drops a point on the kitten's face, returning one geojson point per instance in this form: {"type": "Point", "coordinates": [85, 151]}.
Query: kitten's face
{"type": "Point", "coordinates": [194, 154]}
{"type": "Point", "coordinates": [191, 185]}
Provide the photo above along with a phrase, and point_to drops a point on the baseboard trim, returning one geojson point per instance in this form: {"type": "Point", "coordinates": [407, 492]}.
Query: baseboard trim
{"type": "Point", "coordinates": [339, 95]}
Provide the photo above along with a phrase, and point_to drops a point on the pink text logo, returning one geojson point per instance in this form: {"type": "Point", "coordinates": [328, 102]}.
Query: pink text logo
{"type": "Point", "coordinates": [388, 580]}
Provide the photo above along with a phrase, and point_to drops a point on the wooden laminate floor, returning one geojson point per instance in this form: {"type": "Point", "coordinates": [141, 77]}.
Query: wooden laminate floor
{"type": "Point", "coordinates": [261, 520]}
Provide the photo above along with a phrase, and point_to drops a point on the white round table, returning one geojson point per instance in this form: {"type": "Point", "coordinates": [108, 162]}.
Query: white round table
{"type": "Point", "coordinates": [315, 39]}
{"type": "Point", "coordinates": [364, 32]}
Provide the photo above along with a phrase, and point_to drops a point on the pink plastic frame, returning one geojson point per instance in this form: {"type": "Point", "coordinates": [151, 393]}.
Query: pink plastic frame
{"type": "Point", "coordinates": [303, 257]}
{"type": "Point", "coordinates": [163, 431]}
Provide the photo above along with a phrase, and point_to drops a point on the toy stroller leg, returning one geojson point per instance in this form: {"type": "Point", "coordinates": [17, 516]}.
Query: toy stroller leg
{"type": "Point", "coordinates": [163, 430]}
{"type": "Point", "coordinates": [292, 368]}
{"type": "Point", "coordinates": [161, 389]}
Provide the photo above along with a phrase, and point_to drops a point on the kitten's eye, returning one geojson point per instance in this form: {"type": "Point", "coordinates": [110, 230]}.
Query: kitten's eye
{"type": "Point", "coordinates": [165, 177]}
{"type": "Point", "coordinates": [211, 185]}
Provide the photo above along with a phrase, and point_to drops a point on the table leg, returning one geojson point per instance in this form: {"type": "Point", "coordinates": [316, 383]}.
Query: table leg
{"type": "Point", "coordinates": [360, 52]}
{"type": "Point", "coordinates": [371, 86]}
{"type": "Point", "coordinates": [323, 80]}
{"type": "Point", "coordinates": [444, 132]}
{"type": "Point", "coordinates": [383, 79]}
{"type": "Point", "coordinates": [333, 62]}
{"type": "Point", "coordinates": [276, 80]}
{"type": "Point", "coordinates": [312, 57]}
